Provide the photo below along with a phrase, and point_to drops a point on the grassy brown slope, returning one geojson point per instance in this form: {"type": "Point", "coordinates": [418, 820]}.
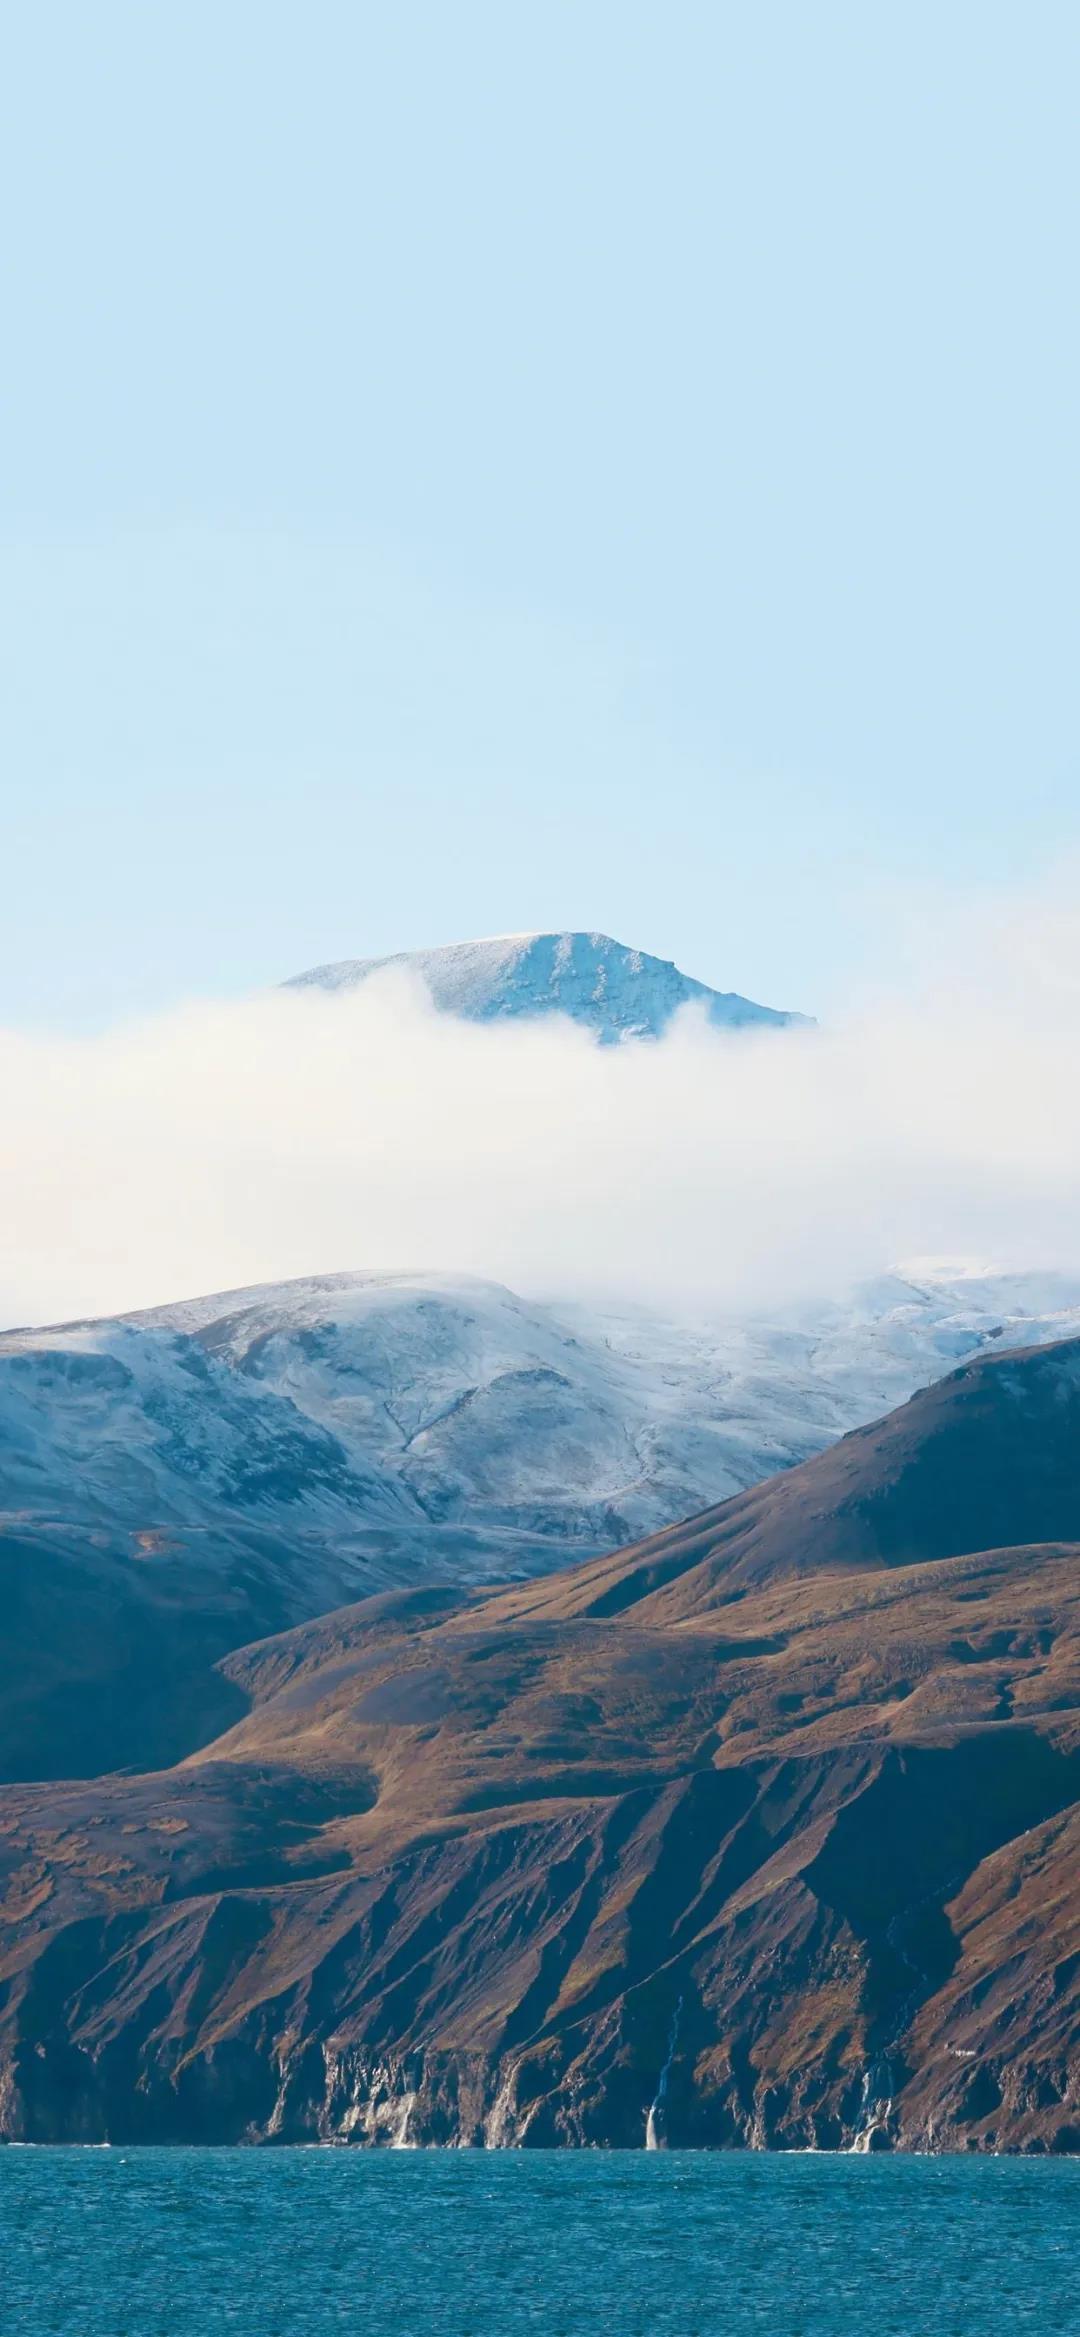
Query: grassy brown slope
{"type": "Point", "coordinates": [482, 1869]}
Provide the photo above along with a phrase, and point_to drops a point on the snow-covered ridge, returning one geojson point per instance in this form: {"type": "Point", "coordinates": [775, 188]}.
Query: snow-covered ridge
{"type": "Point", "coordinates": [391, 1427]}
{"type": "Point", "coordinates": [618, 993]}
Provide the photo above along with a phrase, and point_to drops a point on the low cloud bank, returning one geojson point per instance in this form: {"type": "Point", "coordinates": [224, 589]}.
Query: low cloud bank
{"type": "Point", "coordinates": [297, 1133]}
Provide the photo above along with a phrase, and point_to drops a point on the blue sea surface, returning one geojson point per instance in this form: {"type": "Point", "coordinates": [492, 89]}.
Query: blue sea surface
{"type": "Point", "coordinates": [287, 2243]}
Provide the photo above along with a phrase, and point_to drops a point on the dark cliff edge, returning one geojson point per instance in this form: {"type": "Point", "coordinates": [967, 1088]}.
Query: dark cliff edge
{"type": "Point", "coordinates": [763, 1834]}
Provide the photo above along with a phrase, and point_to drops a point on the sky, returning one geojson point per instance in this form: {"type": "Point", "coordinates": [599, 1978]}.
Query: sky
{"type": "Point", "coordinates": [480, 468]}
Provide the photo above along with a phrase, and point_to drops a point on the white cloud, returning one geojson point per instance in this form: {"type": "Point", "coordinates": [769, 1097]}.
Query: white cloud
{"type": "Point", "coordinates": [294, 1133]}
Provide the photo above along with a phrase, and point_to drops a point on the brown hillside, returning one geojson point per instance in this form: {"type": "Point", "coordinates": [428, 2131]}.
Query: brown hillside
{"type": "Point", "coordinates": [764, 1832]}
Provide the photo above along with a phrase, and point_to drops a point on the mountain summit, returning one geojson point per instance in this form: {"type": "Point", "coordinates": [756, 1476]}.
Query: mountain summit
{"type": "Point", "coordinates": [617, 992]}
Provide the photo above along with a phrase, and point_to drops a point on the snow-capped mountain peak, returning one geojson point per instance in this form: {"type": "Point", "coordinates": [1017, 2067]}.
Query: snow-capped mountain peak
{"type": "Point", "coordinates": [614, 991]}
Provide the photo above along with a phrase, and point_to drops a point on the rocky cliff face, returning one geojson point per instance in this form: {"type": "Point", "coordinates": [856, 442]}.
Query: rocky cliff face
{"type": "Point", "coordinates": [766, 1833]}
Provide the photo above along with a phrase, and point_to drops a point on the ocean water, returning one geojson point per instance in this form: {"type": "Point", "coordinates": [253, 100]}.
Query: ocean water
{"type": "Point", "coordinates": [232, 2243]}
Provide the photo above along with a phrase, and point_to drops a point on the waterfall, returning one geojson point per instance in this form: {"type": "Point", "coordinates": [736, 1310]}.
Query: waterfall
{"type": "Point", "coordinates": [875, 2111]}
{"type": "Point", "coordinates": [499, 2123]}
{"type": "Point", "coordinates": [652, 2133]}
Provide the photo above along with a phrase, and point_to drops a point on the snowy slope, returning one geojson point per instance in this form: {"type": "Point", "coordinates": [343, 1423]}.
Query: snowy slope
{"type": "Point", "coordinates": [617, 992]}
{"type": "Point", "coordinates": [374, 1429]}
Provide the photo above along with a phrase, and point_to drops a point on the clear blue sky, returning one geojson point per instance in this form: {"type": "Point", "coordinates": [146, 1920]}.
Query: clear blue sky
{"type": "Point", "coordinates": [476, 467]}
